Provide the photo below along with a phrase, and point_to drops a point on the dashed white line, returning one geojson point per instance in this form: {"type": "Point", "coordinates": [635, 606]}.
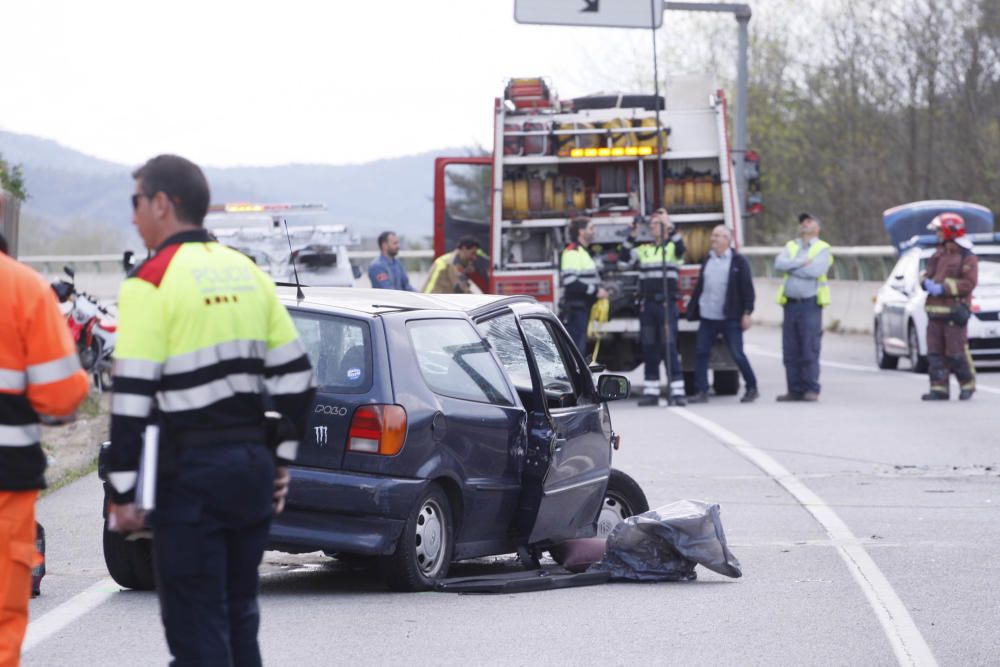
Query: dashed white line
{"type": "Point", "coordinates": [907, 643]}
{"type": "Point", "coordinates": [49, 624]}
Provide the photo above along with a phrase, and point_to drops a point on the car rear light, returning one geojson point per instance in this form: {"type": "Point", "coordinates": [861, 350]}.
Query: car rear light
{"type": "Point", "coordinates": [975, 305]}
{"type": "Point", "coordinates": [539, 287]}
{"type": "Point", "coordinates": [377, 429]}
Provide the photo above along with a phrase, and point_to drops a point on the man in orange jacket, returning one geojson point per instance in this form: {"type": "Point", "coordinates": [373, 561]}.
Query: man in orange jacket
{"type": "Point", "coordinates": [40, 380]}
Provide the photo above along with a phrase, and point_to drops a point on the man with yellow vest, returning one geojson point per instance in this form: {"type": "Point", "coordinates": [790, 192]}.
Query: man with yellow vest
{"type": "Point", "coordinates": [450, 272]}
{"type": "Point", "coordinates": [204, 348]}
{"type": "Point", "coordinates": [658, 263]}
{"type": "Point", "coordinates": [804, 293]}
{"type": "Point", "coordinates": [40, 381]}
{"type": "Point", "coordinates": [580, 281]}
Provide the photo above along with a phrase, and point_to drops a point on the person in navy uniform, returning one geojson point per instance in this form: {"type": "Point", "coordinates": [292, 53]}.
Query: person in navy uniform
{"type": "Point", "coordinates": [387, 272]}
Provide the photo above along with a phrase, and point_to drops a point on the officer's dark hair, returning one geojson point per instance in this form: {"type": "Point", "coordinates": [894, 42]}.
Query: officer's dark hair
{"type": "Point", "coordinates": [3, 245]}
{"type": "Point", "coordinates": [575, 225]}
{"type": "Point", "coordinates": [181, 180]}
{"type": "Point", "coordinates": [468, 242]}
{"type": "Point", "coordinates": [808, 216]}
{"type": "Point", "coordinates": [384, 238]}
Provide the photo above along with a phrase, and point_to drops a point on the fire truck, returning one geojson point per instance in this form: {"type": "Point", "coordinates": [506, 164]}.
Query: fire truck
{"type": "Point", "coordinates": [280, 237]}
{"type": "Point", "coordinates": [596, 156]}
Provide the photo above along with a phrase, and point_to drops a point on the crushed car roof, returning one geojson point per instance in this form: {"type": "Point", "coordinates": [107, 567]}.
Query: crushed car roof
{"type": "Point", "coordinates": [375, 301]}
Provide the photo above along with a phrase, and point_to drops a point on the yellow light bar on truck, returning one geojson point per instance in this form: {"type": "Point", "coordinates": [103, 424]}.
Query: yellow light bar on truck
{"type": "Point", "coordinates": [611, 152]}
{"type": "Point", "coordinates": [244, 208]}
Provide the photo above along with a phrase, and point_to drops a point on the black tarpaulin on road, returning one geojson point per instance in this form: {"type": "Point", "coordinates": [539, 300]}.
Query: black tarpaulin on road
{"type": "Point", "coordinates": [665, 544]}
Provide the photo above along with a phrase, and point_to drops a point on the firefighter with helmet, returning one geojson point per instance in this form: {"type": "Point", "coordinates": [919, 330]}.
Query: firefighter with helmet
{"type": "Point", "coordinates": [951, 275]}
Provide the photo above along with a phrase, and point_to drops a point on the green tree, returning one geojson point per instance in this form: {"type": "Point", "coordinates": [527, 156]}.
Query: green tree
{"type": "Point", "coordinates": [12, 179]}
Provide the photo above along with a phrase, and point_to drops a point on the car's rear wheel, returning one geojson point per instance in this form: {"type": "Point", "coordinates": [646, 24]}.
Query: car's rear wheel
{"type": "Point", "coordinates": [884, 360]}
{"type": "Point", "coordinates": [130, 562]}
{"type": "Point", "coordinates": [624, 498]}
{"type": "Point", "coordinates": [918, 362]}
{"type": "Point", "coordinates": [726, 383]}
{"type": "Point", "coordinates": [424, 550]}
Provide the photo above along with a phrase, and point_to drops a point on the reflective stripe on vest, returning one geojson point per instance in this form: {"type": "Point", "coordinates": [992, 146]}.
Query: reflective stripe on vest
{"type": "Point", "coordinates": [822, 288]}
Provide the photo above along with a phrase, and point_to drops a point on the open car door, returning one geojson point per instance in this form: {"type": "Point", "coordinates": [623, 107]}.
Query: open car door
{"type": "Point", "coordinates": [568, 459]}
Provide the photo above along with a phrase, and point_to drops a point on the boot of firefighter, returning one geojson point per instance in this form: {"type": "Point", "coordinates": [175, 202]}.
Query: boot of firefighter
{"type": "Point", "coordinates": [965, 373]}
{"type": "Point", "coordinates": [938, 372]}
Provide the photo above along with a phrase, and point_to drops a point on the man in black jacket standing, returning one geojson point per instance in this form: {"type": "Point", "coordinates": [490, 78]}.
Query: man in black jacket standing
{"type": "Point", "coordinates": [723, 300]}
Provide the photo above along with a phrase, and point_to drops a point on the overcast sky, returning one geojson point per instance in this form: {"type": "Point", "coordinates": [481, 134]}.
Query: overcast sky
{"type": "Point", "coordinates": [334, 82]}
{"type": "Point", "coordinates": [263, 83]}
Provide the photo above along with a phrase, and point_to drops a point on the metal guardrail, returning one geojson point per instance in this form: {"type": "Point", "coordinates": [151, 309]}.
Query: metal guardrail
{"type": "Point", "coordinates": [858, 263]}
{"type": "Point", "coordinates": [54, 263]}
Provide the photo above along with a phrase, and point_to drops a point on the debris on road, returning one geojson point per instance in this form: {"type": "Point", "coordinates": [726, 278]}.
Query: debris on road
{"type": "Point", "coordinates": [665, 544]}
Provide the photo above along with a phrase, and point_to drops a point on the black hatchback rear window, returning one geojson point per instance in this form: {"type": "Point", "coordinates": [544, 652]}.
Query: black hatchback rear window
{"type": "Point", "coordinates": [339, 349]}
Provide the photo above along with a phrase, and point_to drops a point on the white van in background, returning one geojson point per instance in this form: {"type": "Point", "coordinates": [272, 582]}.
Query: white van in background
{"type": "Point", "coordinates": [280, 237]}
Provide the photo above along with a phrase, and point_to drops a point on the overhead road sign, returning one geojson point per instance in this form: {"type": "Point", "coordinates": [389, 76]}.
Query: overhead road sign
{"type": "Point", "coordinates": [595, 13]}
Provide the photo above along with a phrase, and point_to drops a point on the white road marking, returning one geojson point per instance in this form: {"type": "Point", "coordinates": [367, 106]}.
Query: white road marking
{"type": "Point", "coordinates": [49, 624]}
{"type": "Point", "coordinates": [904, 637]}
{"type": "Point", "coordinates": [864, 369]}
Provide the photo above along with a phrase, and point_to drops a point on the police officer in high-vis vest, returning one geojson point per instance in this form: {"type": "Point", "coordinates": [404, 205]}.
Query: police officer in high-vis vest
{"type": "Point", "coordinates": [204, 345]}
{"type": "Point", "coordinates": [804, 292]}
{"type": "Point", "coordinates": [580, 281]}
{"type": "Point", "coordinates": [658, 308]}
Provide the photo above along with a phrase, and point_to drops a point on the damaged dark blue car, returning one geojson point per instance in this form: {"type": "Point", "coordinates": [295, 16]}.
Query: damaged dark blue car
{"type": "Point", "coordinates": [448, 427]}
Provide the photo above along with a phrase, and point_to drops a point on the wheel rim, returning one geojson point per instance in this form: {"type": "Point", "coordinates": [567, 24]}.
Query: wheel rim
{"type": "Point", "coordinates": [914, 348]}
{"type": "Point", "coordinates": [430, 537]}
{"type": "Point", "coordinates": [879, 350]}
{"type": "Point", "coordinates": [614, 511]}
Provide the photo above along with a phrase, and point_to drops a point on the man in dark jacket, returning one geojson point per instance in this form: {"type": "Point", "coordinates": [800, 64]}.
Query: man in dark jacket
{"type": "Point", "coordinates": [723, 300]}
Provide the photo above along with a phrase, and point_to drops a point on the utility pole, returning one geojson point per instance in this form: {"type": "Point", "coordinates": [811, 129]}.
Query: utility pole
{"type": "Point", "coordinates": [742, 14]}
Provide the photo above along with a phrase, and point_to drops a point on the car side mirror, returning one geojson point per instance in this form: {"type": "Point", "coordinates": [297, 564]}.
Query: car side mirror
{"type": "Point", "coordinates": [356, 271]}
{"type": "Point", "coordinates": [128, 260]}
{"type": "Point", "coordinates": [68, 270]}
{"type": "Point", "coordinates": [613, 387]}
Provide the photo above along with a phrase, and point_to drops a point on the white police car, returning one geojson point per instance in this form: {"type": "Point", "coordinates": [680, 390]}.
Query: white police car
{"type": "Point", "coordinates": [900, 325]}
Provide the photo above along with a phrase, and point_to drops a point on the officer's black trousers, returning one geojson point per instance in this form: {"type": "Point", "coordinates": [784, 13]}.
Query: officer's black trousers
{"type": "Point", "coordinates": [210, 528]}
{"type": "Point", "coordinates": [653, 320]}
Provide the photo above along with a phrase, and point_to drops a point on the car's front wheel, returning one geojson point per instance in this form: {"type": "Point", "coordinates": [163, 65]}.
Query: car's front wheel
{"type": "Point", "coordinates": [918, 362]}
{"type": "Point", "coordinates": [130, 562]}
{"type": "Point", "coordinates": [885, 361]}
{"type": "Point", "coordinates": [424, 550]}
{"type": "Point", "coordinates": [624, 498]}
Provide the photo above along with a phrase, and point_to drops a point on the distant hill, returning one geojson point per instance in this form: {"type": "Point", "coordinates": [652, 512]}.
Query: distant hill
{"type": "Point", "coordinates": [79, 203]}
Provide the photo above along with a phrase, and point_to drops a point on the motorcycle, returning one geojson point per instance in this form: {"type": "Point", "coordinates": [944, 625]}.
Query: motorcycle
{"type": "Point", "coordinates": [92, 328]}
